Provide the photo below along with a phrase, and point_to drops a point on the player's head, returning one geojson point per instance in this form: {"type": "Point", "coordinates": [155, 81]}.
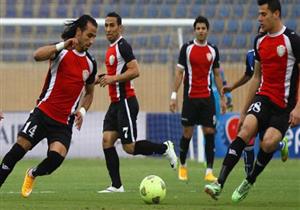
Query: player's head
{"type": "Point", "coordinates": [201, 27]}
{"type": "Point", "coordinates": [269, 14]}
{"type": "Point", "coordinates": [84, 29]}
{"type": "Point", "coordinates": [113, 26]}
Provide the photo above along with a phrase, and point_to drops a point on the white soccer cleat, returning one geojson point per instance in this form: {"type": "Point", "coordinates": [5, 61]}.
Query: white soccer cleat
{"type": "Point", "coordinates": [112, 189]}
{"type": "Point", "coordinates": [170, 153]}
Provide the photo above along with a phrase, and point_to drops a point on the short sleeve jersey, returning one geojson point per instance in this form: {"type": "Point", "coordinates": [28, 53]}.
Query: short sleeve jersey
{"type": "Point", "coordinates": [69, 71]}
{"type": "Point", "coordinates": [279, 55]}
{"type": "Point", "coordinates": [198, 61]}
{"type": "Point", "coordinates": [117, 56]}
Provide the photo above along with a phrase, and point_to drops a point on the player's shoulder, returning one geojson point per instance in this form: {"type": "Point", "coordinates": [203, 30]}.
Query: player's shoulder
{"type": "Point", "coordinates": [291, 34]}
{"type": "Point", "coordinates": [212, 45]}
{"type": "Point", "coordinates": [123, 43]}
{"type": "Point", "coordinates": [250, 52]}
{"type": "Point", "coordinates": [90, 56]}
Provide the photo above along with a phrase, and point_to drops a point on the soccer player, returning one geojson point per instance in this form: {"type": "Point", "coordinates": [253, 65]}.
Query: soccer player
{"type": "Point", "coordinates": [120, 119]}
{"type": "Point", "coordinates": [273, 92]}
{"type": "Point", "coordinates": [248, 152]}
{"type": "Point", "coordinates": [72, 70]}
{"type": "Point", "coordinates": [197, 59]}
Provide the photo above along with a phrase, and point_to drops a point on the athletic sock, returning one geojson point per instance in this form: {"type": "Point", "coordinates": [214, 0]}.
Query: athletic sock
{"type": "Point", "coordinates": [232, 157]}
{"type": "Point", "coordinates": [248, 158]}
{"type": "Point", "coordinates": [9, 161]}
{"type": "Point", "coordinates": [184, 148]}
{"type": "Point", "coordinates": [209, 149]}
{"type": "Point", "coordinates": [48, 165]}
{"type": "Point", "coordinates": [145, 147]}
{"type": "Point", "coordinates": [113, 166]}
{"type": "Point", "coordinates": [261, 162]}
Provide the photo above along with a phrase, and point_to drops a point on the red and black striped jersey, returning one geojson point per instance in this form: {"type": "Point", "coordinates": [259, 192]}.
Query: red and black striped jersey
{"type": "Point", "coordinates": [117, 56]}
{"type": "Point", "coordinates": [279, 55]}
{"type": "Point", "coordinates": [69, 71]}
{"type": "Point", "coordinates": [198, 61]}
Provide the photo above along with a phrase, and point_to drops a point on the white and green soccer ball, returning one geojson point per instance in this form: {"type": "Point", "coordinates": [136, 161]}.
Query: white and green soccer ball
{"type": "Point", "coordinates": [153, 189]}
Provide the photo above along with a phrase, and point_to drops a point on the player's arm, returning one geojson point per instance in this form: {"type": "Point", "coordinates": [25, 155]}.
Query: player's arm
{"type": "Point", "coordinates": [254, 85]}
{"type": "Point", "coordinates": [219, 85]}
{"type": "Point", "coordinates": [241, 81]}
{"type": "Point", "coordinates": [177, 82]}
{"type": "Point", "coordinates": [86, 102]}
{"type": "Point", "coordinates": [295, 113]}
{"type": "Point", "coordinates": [48, 52]}
{"type": "Point", "coordinates": [1, 115]}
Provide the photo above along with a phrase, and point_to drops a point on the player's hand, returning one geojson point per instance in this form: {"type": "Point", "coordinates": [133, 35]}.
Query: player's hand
{"type": "Point", "coordinates": [173, 105]}
{"type": "Point", "coordinates": [295, 116]}
{"type": "Point", "coordinates": [223, 105]}
{"type": "Point", "coordinates": [1, 116]}
{"type": "Point", "coordinates": [71, 43]}
{"type": "Point", "coordinates": [78, 120]}
{"type": "Point", "coordinates": [241, 121]}
{"type": "Point", "coordinates": [226, 89]}
{"type": "Point", "coordinates": [106, 80]}
{"type": "Point", "coordinates": [98, 77]}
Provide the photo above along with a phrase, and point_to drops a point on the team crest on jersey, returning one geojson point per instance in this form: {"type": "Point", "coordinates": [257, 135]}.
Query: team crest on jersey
{"type": "Point", "coordinates": [208, 56]}
{"type": "Point", "coordinates": [280, 50]}
{"type": "Point", "coordinates": [111, 59]}
{"type": "Point", "coordinates": [85, 74]}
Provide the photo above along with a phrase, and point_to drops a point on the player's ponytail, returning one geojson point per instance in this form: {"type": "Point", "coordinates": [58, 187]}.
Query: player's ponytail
{"type": "Point", "coordinates": [71, 26]}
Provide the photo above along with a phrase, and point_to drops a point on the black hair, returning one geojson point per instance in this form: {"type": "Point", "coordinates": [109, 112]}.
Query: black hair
{"type": "Point", "coordinates": [81, 22]}
{"type": "Point", "coordinates": [273, 5]}
{"type": "Point", "coordinates": [201, 19]}
{"type": "Point", "coordinates": [116, 15]}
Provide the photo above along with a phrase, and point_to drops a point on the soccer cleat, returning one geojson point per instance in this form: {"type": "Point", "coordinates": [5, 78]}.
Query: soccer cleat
{"type": "Point", "coordinates": [112, 189]}
{"type": "Point", "coordinates": [27, 184]}
{"type": "Point", "coordinates": [210, 177]}
{"type": "Point", "coordinates": [284, 153]}
{"type": "Point", "coordinates": [171, 155]}
{"type": "Point", "coordinates": [241, 192]}
{"type": "Point", "coordinates": [214, 190]}
{"type": "Point", "coordinates": [183, 173]}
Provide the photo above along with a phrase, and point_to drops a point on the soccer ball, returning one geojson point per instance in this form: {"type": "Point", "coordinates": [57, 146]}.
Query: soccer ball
{"type": "Point", "coordinates": [152, 189]}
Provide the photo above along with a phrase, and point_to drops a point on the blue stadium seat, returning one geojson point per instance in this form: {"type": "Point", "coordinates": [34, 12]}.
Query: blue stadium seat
{"type": "Point", "coordinates": [155, 41]}
{"type": "Point", "coordinates": [109, 8]}
{"type": "Point", "coordinates": [252, 11]}
{"type": "Point", "coordinates": [224, 11]}
{"type": "Point", "coordinates": [125, 10]}
{"type": "Point", "coordinates": [11, 2]}
{"type": "Point", "coordinates": [11, 10]}
{"type": "Point", "coordinates": [27, 11]}
{"type": "Point", "coordinates": [212, 38]}
{"type": "Point", "coordinates": [162, 58]}
{"type": "Point", "coordinates": [95, 10]}
{"type": "Point", "coordinates": [148, 58]}
{"type": "Point", "coordinates": [155, 2]}
{"type": "Point", "coordinates": [247, 26]}
{"type": "Point", "coordinates": [44, 11]}
{"type": "Point", "coordinates": [166, 11]}
{"type": "Point", "coordinates": [21, 57]}
{"type": "Point", "coordinates": [226, 41]}
{"type": "Point", "coordinates": [240, 41]}
{"type": "Point", "coordinates": [218, 26]}
{"type": "Point", "coordinates": [238, 11]}
{"type": "Point", "coordinates": [209, 10]}
{"type": "Point", "coordinates": [25, 30]}
{"type": "Point", "coordinates": [195, 11]}
{"type": "Point", "coordinates": [181, 11]}
{"type": "Point", "coordinates": [61, 11]}
{"type": "Point", "coordinates": [232, 26]}
{"type": "Point", "coordinates": [296, 11]}
{"type": "Point", "coordinates": [138, 11]}
{"type": "Point", "coordinates": [152, 11]}
{"type": "Point", "coordinates": [9, 30]}
{"type": "Point", "coordinates": [292, 24]}
{"type": "Point", "coordinates": [78, 10]}
{"type": "Point", "coordinates": [234, 57]}
{"type": "Point", "coordinates": [8, 57]}
{"type": "Point", "coordinates": [141, 41]}
{"type": "Point", "coordinates": [8, 45]}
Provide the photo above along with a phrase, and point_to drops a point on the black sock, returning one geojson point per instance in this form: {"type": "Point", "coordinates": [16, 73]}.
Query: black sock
{"type": "Point", "coordinates": [184, 148]}
{"type": "Point", "coordinates": [49, 164]}
{"type": "Point", "coordinates": [249, 158]}
{"type": "Point", "coordinates": [209, 149]}
{"type": "Point", "coordinates": [233, 155]}
{"type": "Point", "coordinates": [145, 147]}
{"type": "Point", "coordinates": [262, 160]}
{"type": "Point", "coordinates": [113, 166]}
{"type": "Point", "coordinates": [9, 161]}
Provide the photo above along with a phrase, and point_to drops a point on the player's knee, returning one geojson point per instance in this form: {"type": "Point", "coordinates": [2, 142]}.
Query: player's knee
{"type": "Point", "coordinates": [55, 160]}
{"type": "Point", "coordinates": [107, 143]}
{"type": "Point", "coordinates": [246, 133]}
{"type": "Point", "coordinates": [128, 148]}
{"type": "Point", "coordinates": [268, 145]}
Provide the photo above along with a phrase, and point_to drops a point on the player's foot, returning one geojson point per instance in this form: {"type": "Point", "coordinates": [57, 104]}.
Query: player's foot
{"type": "Point", "coordinates": [112, 189]}
{"type": "Point", "coordinates": [27, 184]}
{"type": "Point", "coordinates": [284, 153]}
{"type": "Point", "coordinates": [183, 173]}
{"type": "Point", "coordinates": [171, 155]}
{"type": "Point", "coordinates": [210, 177]}
{"type": "Point", "coordinates": [214, 190]}
{"type": "Point", "coordinates": [241, 192]}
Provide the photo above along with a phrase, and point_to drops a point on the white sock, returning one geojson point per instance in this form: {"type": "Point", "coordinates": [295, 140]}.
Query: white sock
{"type": "Point", "coordinates": [208, 170]}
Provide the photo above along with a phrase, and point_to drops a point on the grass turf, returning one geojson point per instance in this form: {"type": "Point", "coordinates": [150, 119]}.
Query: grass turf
{"type": "Point", "coordinates": [74, 186]}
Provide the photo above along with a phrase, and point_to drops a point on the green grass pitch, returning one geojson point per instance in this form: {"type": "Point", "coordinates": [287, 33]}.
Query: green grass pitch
{"type": "Point", "coordinates": [74, 185]}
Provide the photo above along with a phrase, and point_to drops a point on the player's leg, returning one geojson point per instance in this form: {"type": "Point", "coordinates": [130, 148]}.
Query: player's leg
{"type": "Point", "coordinates": [209, 135]}
{"type": "Point", "coordinates": [15, 154]}
{"type": "Point", "coordinates": [249, 156]}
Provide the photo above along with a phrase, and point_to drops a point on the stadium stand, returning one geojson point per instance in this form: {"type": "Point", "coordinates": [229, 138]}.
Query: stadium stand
{"type": "Point", "coordinates": [233, 23]}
